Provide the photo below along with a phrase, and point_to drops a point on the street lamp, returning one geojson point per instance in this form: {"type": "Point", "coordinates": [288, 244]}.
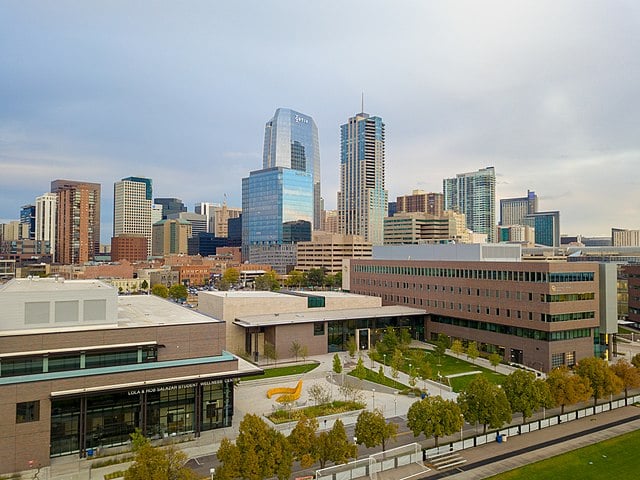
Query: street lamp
{"type": "Point", "coordinates": [355, 442]}
{"type": "Point", "coordinates": [461, 426]}
{"type": "Point", "coordinates": [212, 471]}
{"type": "Point", "coordinates": [384, 359]}
{"type": "Point", "coordinates": [395, 403]}
{"type": "Point", "coordinates": [373, 395]}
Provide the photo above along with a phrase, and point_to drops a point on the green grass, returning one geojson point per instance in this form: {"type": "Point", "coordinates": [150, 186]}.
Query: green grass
{"type": "Point", "coordinates": [284, 371]}
{"type": "Point", "coordinates": [285, 415]}
{"type": "Point", "coordinates": [615, 458]}
{"type": "Point", "coordinates": [386, 381]}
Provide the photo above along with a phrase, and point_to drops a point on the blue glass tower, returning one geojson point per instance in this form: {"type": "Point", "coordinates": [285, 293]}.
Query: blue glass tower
{"type": "Point", "coordinates": [291, 141]}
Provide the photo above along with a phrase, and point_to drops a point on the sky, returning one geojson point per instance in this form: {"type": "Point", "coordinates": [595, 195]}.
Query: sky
{"type": "Point", "coordinates": [180, 91]}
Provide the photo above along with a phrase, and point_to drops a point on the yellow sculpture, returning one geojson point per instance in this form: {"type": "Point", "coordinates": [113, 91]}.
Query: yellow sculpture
{"type": "Point", "coordinates": [287, 394]}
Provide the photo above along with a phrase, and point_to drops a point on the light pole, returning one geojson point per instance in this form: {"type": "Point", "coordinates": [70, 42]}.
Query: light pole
{"type": "Point", "coordinates": [384, 359]}
{"type": "Point", "coordinates": [395, 403]}
{"type": "Point", "coordinates": [212, 471]}
{"type": "Point", "coordinates": [355, 442]}
{"type": "Point", "coordinates": [461, 427]}
{"type": "Point", "coordinates": [373, 396]}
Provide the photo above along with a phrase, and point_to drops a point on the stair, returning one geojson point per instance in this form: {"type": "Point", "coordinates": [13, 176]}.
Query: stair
{"type": "Point", "coordinates": [442, 461]}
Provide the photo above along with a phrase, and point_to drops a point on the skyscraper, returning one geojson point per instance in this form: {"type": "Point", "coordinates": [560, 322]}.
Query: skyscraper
{"type": "Point", "coordinates": [474, 194]}
{"type": "Point", "coordinates": [78, 221]}
{"type": "Point", "coordinates": [46, 217]}
{"type": "Point", "coordinates": [28, 218]}
{"type": "Point", "coordinates": [132, 200]}
{"type": "Point", "coordinates": [362, 199]}
{"type": "Point", "coordinates": [546, 226]}
{"type": "Point", "coordinates": [513, 210]}
{"type": "Point", "coordinates": [291, 141]}
{"type": "Point", "coordinates": [169, 206]}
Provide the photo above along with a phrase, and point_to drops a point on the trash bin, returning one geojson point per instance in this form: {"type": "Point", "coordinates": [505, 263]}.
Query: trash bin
{"type": "Point", "coordinates": [504, 437]}
{"type": "Point", "coordinates": [499, 438]}
{"type": "Point", "coordinates": [423, 395]}
{"type": "Point", "coordinates": [89, 452]}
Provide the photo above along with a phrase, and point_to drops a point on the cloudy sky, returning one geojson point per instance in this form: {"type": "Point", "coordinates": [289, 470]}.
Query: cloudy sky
{"type": "Point", "coordinates": [544, 91]}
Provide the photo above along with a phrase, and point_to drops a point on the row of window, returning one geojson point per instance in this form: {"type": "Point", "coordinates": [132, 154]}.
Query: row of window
{"type": "Point", "coordinates": [37, 364]}
{"type": "Point", "coordinates": [507, 275]}
{"type": "Point", "coordinates": [567, 317]}
{"type": "Point", "coordinates": [515, 331]}
{"type": "Point", "coordinates": [566, 358]}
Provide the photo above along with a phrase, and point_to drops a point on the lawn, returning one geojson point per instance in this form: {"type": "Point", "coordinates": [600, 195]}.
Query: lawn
{"type": "Point", "coordinates": [615, 458]}
{"type": "Point", "coordinates": [284, 371]}
{"type": "Point", "coordinates": [386, 381]}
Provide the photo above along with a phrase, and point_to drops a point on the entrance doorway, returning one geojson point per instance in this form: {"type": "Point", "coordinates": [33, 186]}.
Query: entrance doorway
{"type": "Point", "coordinates": [363, 338]}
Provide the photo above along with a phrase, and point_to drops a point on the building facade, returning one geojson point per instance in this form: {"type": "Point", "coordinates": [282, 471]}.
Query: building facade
{"type": "Point", "coordinates": [513, 210]}
{"type": "Point", "coordinates": [46, 217]}
{"type": "Point", "coordinates": [129, 247]}
{"type": "Point", "coordinates": [170, 206]}
{"type": "Point", "coordinates": [474, 194]}
{"type": "Point", "coordinates": [621, 237]}
{"type": "Point", "coordinates": [132, 200]}
{"type": "Point", "coordinates": [82, 368]}
{"type": "Point", "coordinates": [171, 236]}
{"type": "Point", "coordinates": [291, 141]}
{"type": "Point", "coordinates": [538, 314]}
{"type": "Point", "coordinates": [362, 199]}
{"type": "Point", "coordinates": [78, 221]}
{"type": "Point", "coordinates": [633, 292]}
{"type": "Point", "coordinates": [546, 227]}
{"type": "Point", "coordinates": [415, 228]}
{"type": "Point", "coordinates": [28, 218]}
{"type": "Point", "coordinates": [328, 250]}
{"type": "Point", "coordinates": [420, 201]}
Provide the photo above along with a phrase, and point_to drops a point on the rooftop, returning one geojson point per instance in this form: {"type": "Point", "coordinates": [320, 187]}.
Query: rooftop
{"type": "Point", "coordinates": [149, 310]}
{"type": "Point", "coordinates": [54, 284]}
{"type": "Point", "coordinates": [322, 315]}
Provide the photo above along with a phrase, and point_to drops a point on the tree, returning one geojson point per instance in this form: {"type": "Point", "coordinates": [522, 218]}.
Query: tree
{"type": "Point", "coordinates": [352, 346]}
{"type": "Point", "coordinates": [495, 360]}
{"type": "Point", "coordinates": [231, 276]}
{"type": "Point", "coordinates": [158, 463]}
{"type": "Point", "coordinates": [144, 285]}
{"type": "Point", "coordinates": [389, 342]}
{"type": "Point", "coordinates": [526, 393]}
{"type": "Point", "coordinates": [566, 388]}
{"type": "Point", "coordinates": [397, 362]}
{"type": "Point", "coordinates": [600, 376]}
{"type": "Point", "coordinates": [457, 348]}
{"type": "Point", "coordinates": [628, 375]}
{"type": "Point", "coordinates": [360, 371]}
{"type": "Point", "coordinates": [302, 440]}
{"type": "Point", "coordinates": [472, 352]}
{"type": "Point", "coordinates": [333, 446]}
{"type": "Point", "coordinates": [315, 277]}
{"type": "Point", "coordinates": [319, 394]}
{"type": "Point", "coordinates": [434, 417]}
{"type": "Point", "coordinates": [295, 279]}
{"type": "Point", "coordinates": [270, 351]}
{"type": "Point", "coordinates": [337, 365]}
{"type": "Point", "coordinates": [381, 375]}
{"type": "Point", "coordinates": [635, 361]}
{"type": "Point", "coordinates": [484, 402]}
{"type": "Point", "coordinates": [295, 349]}
{"type": "Point", "coordinates": [405, 339]}
{"type": "Point", "coordinates": [178, 292]}
{"type": "Point", "coordinates": [337, 280]}
{"type": "Point", "coordinates": [372, 429]}
{"type": "Point", "coordinates": [259, 452]}
{"type": "Point", "coordinates": [441, 345]}
{"type": "Point", "coordinates": [268, 282]}
{"type": "Point", "coordinates": [304, 353]}
{"type": "Point", "coordinates": [160, 290]}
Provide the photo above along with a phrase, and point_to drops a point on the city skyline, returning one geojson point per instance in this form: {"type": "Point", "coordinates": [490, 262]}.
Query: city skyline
{"type": "Point", "coordinates": [544, 92]}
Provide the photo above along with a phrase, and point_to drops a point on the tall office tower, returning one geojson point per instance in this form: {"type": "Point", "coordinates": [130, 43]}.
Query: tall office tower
{"type": "Point", "coordinates": [291, 141]}
{"type": "Point", "coordinates": [621, 237]}
{"type": "Point", "coordinates": [329, 221]}
{"type": "Point", "coordinates": [546, 226]}
{"type": "Point", "coordinates": [474, 194]}
{"type": "Point", "coordinates": [222, 216]}
{"type": "Point", "coordinates": [46, 217]}
{"type": "Point", "coordinates": [171, 236]}
{"type": "Point", "coordinates": [132, 200]}
{"type": "Point", "coordinates": [156, 213]}
{"type": "Point", "coordinates": [78, 221]}
{"type": "Point", "coordinates": [513, 210]}
{"type": "Point", "coordinates": [198, 222]}
{"type": "Point", "coordinates": [207, 209]}
{"type": "Point", "coordinates": [28, 218]}
{"type": "Point", "coordinates": [362, 199]}
{"type": "Point", "coordinates": [170, 206]}
{"type": "Point", "coordinates": [422, 202]}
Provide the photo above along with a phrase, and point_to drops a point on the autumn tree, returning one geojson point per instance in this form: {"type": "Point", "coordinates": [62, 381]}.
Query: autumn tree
{"type": "Point", "coordinates": [165, 463]}
{"type": "Point", "coordinates": [472, 352]}
{"type": "Point", "coordinates": [457, 348]}
{"type": "Point", "coordinates": [635, 361]}
{"type": "Point", "coordinates": [315, 277]}
{"type": "Point", "coordinates": [295, 349]}
{"type": "Point", "coordinates": [388, 343]}
{"type": "Point", "coordinates": [525, 393]}
{"type": "Point", "coordinates": [372, 429]}
{"type": "Point", "coordinates": [397, 362]}
{"type": "Point", "coordinates": [302, 440]}
{"type": "Point", "coordinates": [178, 292]}
{"type": "Point", "coordinates": [494, 360]}
{"type": "Point", "coordinates": [270, 351]}
{"type": "Point", "coordinates": [319, 394]}
{"type": "Point", "coordinates": [295, 279]}
{"type": "Point", "coordinates": [567, 388]}
{"type": "Point", "coordinates": [160, 290]}
{"type": "Point", "coordinates": [268, 282]}
{"type": "Point", "coordinates": [441, 345]}
{"type": "Point", "coordinates": [600, 376]}
{"type": "Point", "coordinates": [337, 365]}
{"type": "Point", "coordinates": [434, 417]}
{"type": "Point", "coordinates": [333, 446]}
{"type": "Point", "coordinates": [231, 276]}
{"type": "Point", "coordinates": [352, 346]}
{"type": "Point", "coordinates": [259, 452]}
{"type": "Point", "coordinates": [628, 375]}
{"type": "Point", "coordinates": [360, 371]}
{"type": "Point", "coordinates": [485, 403]}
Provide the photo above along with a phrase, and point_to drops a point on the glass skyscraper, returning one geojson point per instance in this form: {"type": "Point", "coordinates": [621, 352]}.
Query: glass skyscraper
{"type": "Point", "coordinates": [362, 199]}
{"type": "Point", "coordinates": [474, 194]}
{"type": "Point", "coordinates": [291, 141]}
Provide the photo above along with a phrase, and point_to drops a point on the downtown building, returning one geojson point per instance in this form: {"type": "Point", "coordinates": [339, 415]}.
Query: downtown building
{"type": "Point", "coordinates": [362, 199]}
{"type": "Point", "coordinates": [474, 194]}
{"type": "Point", "coordinates": [284, 193]}
{"type": "Point", "coordinates": [535, 313]}
{"type": "Point", "coordinates": [46, 218]}
{"type": "Point", "coordinates": [132, 200]}
{"type": "Point", "coordinates": [78, 221]}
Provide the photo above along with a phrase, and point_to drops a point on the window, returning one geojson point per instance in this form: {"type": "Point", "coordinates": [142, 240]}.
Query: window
{"type": "Point", "coordinates": [557, 359]}
{"type": "Point", "coordinates": [318, 329]}
{"type": "Point", "coordinates": [28, 412]}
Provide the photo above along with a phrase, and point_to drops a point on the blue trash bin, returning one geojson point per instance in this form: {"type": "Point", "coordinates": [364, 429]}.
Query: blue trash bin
{"type": "Point", "coordinates": [499, 438]}
{"type": "Point", "coordinates": [89, 452]}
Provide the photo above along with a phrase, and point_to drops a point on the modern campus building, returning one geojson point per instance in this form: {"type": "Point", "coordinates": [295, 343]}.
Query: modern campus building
{"type": "Point", "coordinates": [78, 221]}
{"type": "Point", "coordinates": [362, 199]}
{"type": "Point", "coordinates": [474, 194]}
{"type": "Point", "coordinates": [81, 368]}
{"type": "Point", "coordinates": [320, 321]}
{"type": "Point", "coordinates": [513, 210]}
{"type": "Point", "coordinates": [132, 200]}
{"type": "Point", "coordinates": [327, 250]}
{"type": "Point", "coordinates": [539, 314]}
{"type": "Point", "coordinates": [633, 276]}
{"type": "Point", "coordinates": [291, 141]}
